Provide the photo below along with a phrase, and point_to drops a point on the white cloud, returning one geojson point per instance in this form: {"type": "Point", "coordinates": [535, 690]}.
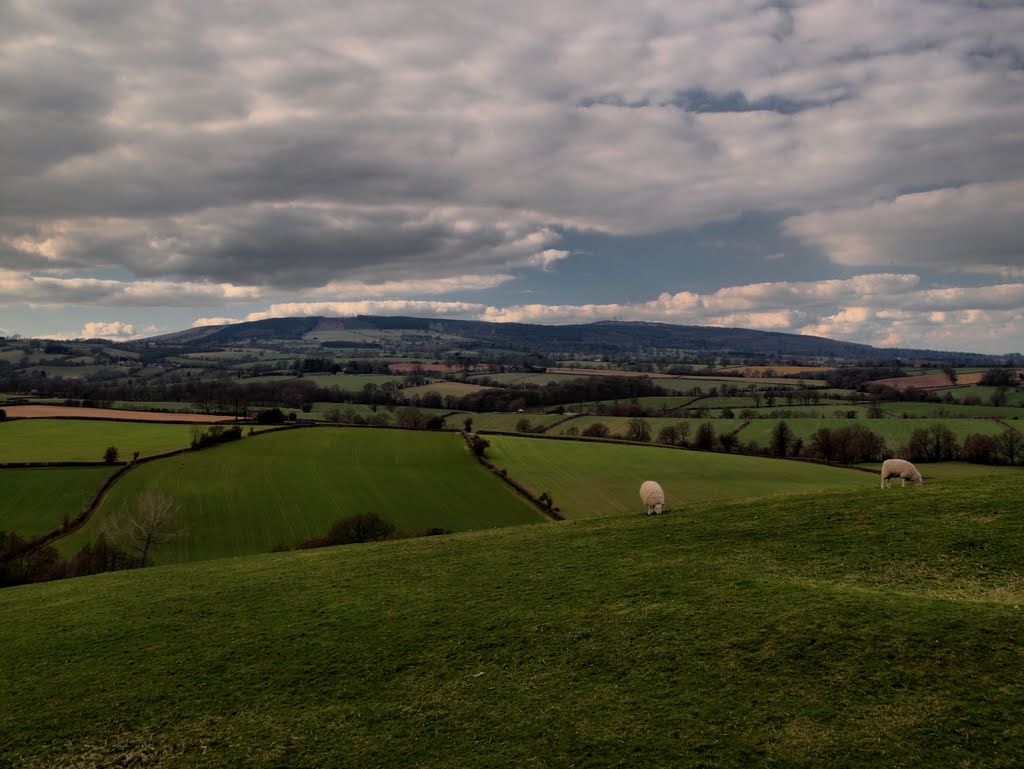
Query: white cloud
{"type": "Point", "coordinates": [974, 228]}
{"type": "Point", "coordinates": [114, 330]}
{"type": "Point", "coordinates": [369, 307]}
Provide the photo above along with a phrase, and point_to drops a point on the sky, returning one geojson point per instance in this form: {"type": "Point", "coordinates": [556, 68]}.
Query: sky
{"type": "Point", "coordinates": [842, 168]}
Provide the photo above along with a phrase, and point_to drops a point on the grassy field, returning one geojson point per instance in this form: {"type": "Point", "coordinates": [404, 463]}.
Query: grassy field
{"type": "Point", "coordinates": [444, 388]}
{"type": "Point", "coordinates": [250, 495]}
{"type": "Point", "coordinates": [501, 422]}
{"type": "Point", "coordinates": [942, 410]}
{"type": "Point", "coordinates": [591, 479]}
{"type": "Point", "coordinates": [895, 432]}
{"type": "Point", "coordinates": [618, 425]}
{"type": "Point", "coordinates": [842, 629]}
{"type": "Point", "coordinates": [35, 500]}
{"type": "Point", "coordinates": [79, 440]}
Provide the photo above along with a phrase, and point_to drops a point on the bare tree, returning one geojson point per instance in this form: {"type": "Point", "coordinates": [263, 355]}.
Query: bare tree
{"type": "Point", "coordinates": [146, 520]}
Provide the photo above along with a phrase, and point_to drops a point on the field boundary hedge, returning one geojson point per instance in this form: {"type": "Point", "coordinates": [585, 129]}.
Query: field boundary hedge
{"type": "Point", "coordinates": [549, 512]}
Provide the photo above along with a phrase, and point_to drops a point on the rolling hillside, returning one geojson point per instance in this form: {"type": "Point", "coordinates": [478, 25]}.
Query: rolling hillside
{"type": "Point", "coordinates": [842, 629]}
{"type": "Point", "coordinates": [280, 489]}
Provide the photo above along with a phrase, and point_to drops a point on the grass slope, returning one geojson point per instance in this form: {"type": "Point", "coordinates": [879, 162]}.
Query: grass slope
{"type": "Point", "coordinates": [250, 495]}
{"type": "Point", "coordinates": [79, 440]}
{"type": "Point", "coordinates": [588, 479]}
{"type": "Point", "coordinates": [35, 500]}
{"type": "Point", "coordinates": [840, 629]}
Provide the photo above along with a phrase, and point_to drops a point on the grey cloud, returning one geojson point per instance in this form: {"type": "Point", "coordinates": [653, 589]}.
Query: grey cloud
{"type": "Point", "coordinates": [209, 138]}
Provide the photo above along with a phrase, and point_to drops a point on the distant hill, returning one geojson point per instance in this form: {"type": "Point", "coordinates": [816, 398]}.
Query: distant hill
{"type": "Point", "coordinates": [603, 337]}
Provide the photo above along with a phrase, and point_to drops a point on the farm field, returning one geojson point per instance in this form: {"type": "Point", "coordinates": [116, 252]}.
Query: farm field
{"type": "Point", "coordinates": [617, 426]}
{"type": "Point", "coordinates": [517, 378]}
{"type": "Point", "coordinates": [958, 471]}
{"type": "Point", "coordinates": [895, 432]}
{"type": "Point", "coordinates": [80, 440]}
{"type": "Point", "coordinates": [35, 500]}
{"type": "Point", "coordinates": [952, 410]}
{"type": "Point", "coordinates": [250, 495]}
{"type": "Point", "coordinates": [444, 388]}
{"type": "Point", "coordinates": [39, 411]}
{"type": "Point", "coordinates": [840, 629]}
{"type": "Point", "coordinates": [500, 422]}
{"type": "Point", "coordinates": [588, 479]}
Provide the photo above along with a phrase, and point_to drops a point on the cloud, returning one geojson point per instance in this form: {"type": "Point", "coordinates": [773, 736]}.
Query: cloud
{"type": "Point", "coordinates": [114, 330]}
{"type": "Point", "coordinates": [855, 309]}
{"type": "Point", "coordinates": [970, 228]}
{"type": "Point", "coordinates": [346, 152]}
{"type": "Point", "coordinates": [371, 307]}
{"type": "Point", "coordinates": [55, 290]}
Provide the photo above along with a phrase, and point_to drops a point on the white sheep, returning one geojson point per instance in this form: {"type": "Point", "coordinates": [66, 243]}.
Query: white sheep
{"type": "Point", "coordinates": [902, 469]}
{"type": "Point", "coordinates": [652, 495]}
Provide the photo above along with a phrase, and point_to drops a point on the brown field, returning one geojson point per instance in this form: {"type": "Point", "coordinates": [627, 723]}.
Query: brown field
{"type": "Point", "coordinates": [429, 368]}
{"type": "Point", "coordinates": [758, 371]}
{"type": "Point", "coordinates": [928, 381]}
{"type": "Point", "coordinates": [610, 372]}
{"type": "Point", "coordinates": [38, 412]}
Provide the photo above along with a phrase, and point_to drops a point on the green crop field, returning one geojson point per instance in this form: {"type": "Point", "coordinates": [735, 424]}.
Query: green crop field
{"type": "Point", "coordinates": [895, 432]}
{"type": "Point", "coordinates": [250, 495]}
{"type": "Point", "coordinates": [842, 629]}
{"type": "Point", "coordinates": [81, 440]}
{"type": "Point", "coordinates": [500, 422]}
{"type": "Point", "coordinates": [953, 410]}
{"type": "Point", "coordinates": [443, 388]}
{"type": "Point", "coordinates": [36, 500]}
{"type": "Point", "coordinates": [617, 426]}
{"type": "Point", "coordinates": [591, 479]}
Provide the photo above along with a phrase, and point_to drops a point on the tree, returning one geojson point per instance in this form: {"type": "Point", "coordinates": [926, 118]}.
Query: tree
{"type": "Point", "coordinates": [467, 423]}
{"type": "Point", "coordinates": [669, 435]}
{"type": "Point", "coordinates": [980, 449]}
{"type": "Point", "coordinates": [705, 438]}
{"type": "Point", "coordinates": [596, 430]}
{"type": "Point", "coordinates": [523, 425]}
{"type": "Point", "coordinates": [638, 430]}
{"type": "Point", "coordinates": [110, 455]}
{"type": "Point", "coordinates": [145, 521]}
{"type": "Point", "coordinates": [1010, 445]}
{"type": "Point", "coordinates": [824, 445]}
{"type": "Point", "coordinates": [782, 438]}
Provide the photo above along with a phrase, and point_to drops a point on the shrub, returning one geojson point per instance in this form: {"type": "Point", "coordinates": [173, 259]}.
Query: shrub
{"type": "Point", "coordinates": [596, 430]}
{"type": "Point", "coordinates": [272, 416]}
{"type": "Point", "coordinates": [110, 455]}
{"type": "Point", "coordinates": [368, 527]}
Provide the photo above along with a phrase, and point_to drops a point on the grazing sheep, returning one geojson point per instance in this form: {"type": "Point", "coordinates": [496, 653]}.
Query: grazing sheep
{"type": "Point", "coordinates": [902, 469]}
{"type": "Point", "coordinates": [651, 494]}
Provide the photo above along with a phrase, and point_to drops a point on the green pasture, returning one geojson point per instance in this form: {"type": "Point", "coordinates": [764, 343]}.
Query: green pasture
{"type": "Point", "coordinates": [36, 500]}
{"type": "Point", "coordinates": [250, 495]}
{"type": "Point", "coordinates": [957, 471]}
{"type": "Point", "coordinates": [444, 389]}
{"type": "Point", "coordinates": [588, 479]}
{"type": "Point", "coordinates": [849, 629]}
{"type": "Point", "coordinates": [895, 432]}
{"type": "Point", "coordinates": [86, 440]}
{"type": "Point", "coordinates": [651, 403]}
{"type": "Point", "coordinates": [951, 410]}
{"type": "Point", "coordinates": [1014, 396]}
{"type": "Point", "coordinates": [618, 426]}
{"type": "Point", "coordinates": [521, 379]}
{"type": "Point", "coordinates": [501, 422]}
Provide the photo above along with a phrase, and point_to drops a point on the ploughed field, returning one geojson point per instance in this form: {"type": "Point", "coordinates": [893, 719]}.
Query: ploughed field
{"type": "Point", "coordinates": [250, 495]}
{"type": "Point", "coordinates": [854, 628]}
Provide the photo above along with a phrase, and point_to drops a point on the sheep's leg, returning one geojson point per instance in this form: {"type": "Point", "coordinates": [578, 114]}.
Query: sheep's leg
{"type": "Point", "coordinates": [903, 481]}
